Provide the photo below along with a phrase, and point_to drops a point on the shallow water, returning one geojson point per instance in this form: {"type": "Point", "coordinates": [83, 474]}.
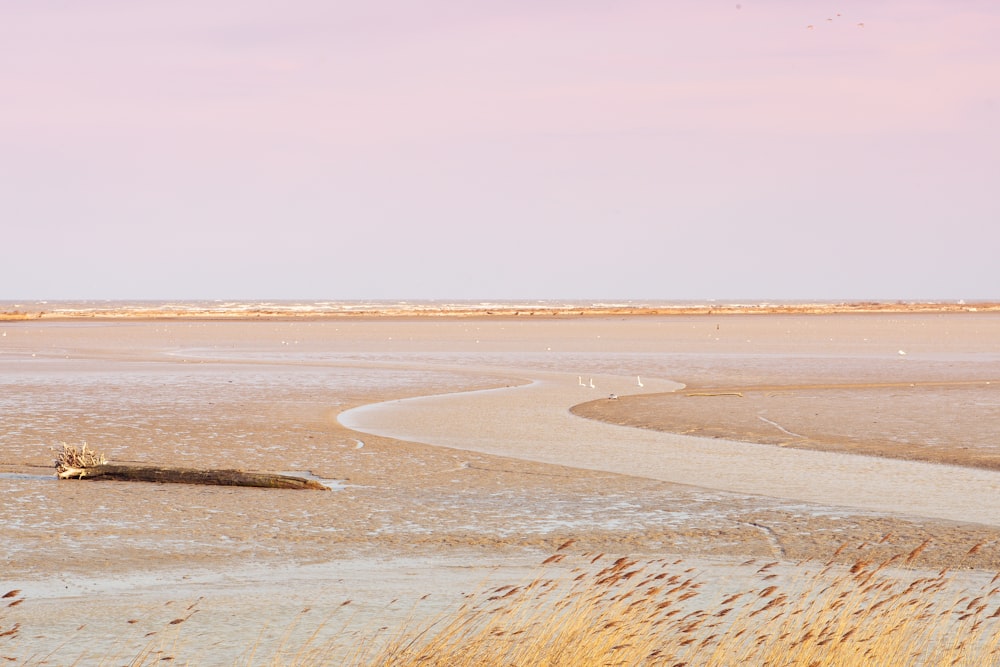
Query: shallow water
{"type": "Point", "coordinates": [532, 422]}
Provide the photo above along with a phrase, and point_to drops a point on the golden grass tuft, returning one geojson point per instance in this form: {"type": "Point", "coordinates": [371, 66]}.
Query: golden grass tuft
{"type": "Point", "coordinates": [858, 614]}
{"type": "Point", "coordinates": [583, 611]}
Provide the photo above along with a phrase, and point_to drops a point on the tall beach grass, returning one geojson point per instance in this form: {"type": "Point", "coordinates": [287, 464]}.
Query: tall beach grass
{"type": "Point", "coordinates": [586, 609]}
{"type": "Point", "coordinates": [658, 612]}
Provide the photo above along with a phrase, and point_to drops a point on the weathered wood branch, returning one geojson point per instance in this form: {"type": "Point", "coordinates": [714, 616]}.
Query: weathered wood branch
{"type": "Point", "coordinates": [190, 476]}
{"type": "Point", "coordinates": [83, 463]}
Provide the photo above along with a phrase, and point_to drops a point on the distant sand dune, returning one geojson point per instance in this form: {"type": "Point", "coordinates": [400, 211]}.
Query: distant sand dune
{"type": "Point", "coordinates": [69, 310]}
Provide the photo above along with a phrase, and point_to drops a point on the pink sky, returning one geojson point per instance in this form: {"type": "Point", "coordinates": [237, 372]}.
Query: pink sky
{"type": "Point", "coordinates": [681, 150]}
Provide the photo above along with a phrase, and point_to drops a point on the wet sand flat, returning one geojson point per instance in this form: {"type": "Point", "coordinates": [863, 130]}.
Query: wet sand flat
{"type": "Point", "coordinates": [409, 518]}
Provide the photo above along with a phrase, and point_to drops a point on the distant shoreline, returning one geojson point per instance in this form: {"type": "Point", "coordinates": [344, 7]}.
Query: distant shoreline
{"type": "Point", "coordinates": [124, 310]}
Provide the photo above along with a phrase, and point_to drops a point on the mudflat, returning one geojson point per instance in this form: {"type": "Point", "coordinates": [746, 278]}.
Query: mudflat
{"type": "Point", "coordinates": [406, 519]}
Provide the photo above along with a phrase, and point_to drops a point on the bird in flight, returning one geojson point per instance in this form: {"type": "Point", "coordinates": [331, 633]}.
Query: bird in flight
{"type": "Point", "coordinates": [812, 26]}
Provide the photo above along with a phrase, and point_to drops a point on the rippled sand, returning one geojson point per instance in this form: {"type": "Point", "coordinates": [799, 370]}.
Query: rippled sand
{"type": "Point", "coordinates": [409, 519]}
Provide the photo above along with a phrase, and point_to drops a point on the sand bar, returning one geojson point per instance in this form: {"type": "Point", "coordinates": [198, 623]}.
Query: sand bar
{"type": "Point", "coordinates": [285, 309]}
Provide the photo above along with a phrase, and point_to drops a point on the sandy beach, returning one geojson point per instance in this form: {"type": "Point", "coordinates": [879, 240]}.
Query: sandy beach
{"type": "Point", "coordinates": [466, 449]}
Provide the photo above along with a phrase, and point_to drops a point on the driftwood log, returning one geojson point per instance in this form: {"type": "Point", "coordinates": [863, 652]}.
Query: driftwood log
{"type": "Point", "coordinates": [191, 476]}
{"type": "Point", "coordinates": [82, 463]}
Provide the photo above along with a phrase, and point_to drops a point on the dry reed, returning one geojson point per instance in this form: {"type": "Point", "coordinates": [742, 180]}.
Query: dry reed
{"type": "Point", "coordinates": [585, 610]}
{"type": "Point", "coordinates": [649, 613]}
{"type": "Point", "coordinates": [9, 633]}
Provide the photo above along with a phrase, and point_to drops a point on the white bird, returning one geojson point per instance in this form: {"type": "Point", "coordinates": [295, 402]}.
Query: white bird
{"type": "Point", "coordinates": [638, 381]}
{"type": "Point", "coordinates": [592, 383]}
{"type": "Point", "coordinates": [359, 444]}
{"type": "Point", "coordinates": [579, 380]}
